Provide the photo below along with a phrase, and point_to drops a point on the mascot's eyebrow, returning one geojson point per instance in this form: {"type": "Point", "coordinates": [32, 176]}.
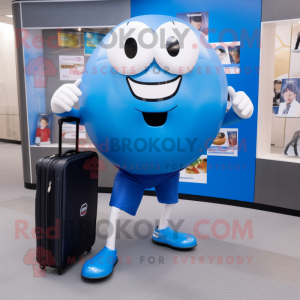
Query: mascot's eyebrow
{"type": "Point", "coordinates": [127, 24]}
{"type": "Point", "coordinates": [173, 22]}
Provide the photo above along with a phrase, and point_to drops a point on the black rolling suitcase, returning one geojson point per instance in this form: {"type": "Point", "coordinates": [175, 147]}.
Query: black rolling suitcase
{"type": "Point", "coordinates": [66, 204]}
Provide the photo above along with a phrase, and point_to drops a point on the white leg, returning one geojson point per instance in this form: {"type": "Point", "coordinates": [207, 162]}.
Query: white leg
{"type": "Point", "coordinates": [111, 232]}
{"type": "Point", "coordinates": [163, 223]}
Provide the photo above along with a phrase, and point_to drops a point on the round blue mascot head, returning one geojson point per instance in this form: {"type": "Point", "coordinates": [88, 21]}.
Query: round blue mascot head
{"type": "Point", "coordinates": [154, 95]}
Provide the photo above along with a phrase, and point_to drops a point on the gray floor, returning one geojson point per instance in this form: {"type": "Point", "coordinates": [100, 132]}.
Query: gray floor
{"type": "Point", "coordinates": [274, 252]}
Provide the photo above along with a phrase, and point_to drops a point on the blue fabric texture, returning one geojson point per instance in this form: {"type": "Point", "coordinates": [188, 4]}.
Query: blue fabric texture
{"type": "Point", "coordinates": [231, 118]}
{"type": "Point", "coordinates": [128, 189]}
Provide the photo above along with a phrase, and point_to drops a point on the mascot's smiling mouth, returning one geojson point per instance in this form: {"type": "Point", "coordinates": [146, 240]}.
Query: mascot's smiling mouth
{"type": "Point", "coordinates": [154, 91]}
{"type": "Point", "coordinates": [156, 119]}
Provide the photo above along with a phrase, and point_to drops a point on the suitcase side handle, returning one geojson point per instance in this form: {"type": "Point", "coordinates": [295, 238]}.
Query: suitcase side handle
{"type": "Point", "coordinates": [68, 152]}
{"type": "Point", "coordinates": [60, 123]}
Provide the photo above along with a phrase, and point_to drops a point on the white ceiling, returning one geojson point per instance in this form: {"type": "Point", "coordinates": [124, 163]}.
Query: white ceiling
{"type": "Point", "coordinates": [5, 9]}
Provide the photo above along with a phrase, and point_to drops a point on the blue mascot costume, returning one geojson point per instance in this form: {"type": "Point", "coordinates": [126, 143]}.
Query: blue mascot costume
{"type": "Point", "coordinates": [152, 99]}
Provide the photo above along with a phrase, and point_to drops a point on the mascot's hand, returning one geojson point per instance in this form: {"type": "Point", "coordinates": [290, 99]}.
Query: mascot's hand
{"type": "Point", "coordinates": [241, 103]}
{"type": "Point", "coordinates": [65, 97]}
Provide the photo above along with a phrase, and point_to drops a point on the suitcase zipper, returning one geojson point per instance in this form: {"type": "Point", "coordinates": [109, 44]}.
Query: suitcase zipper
{"type": "Point", "coordinates": [50, 207]}
{"type": "Point", "coordinates": [59, 262]}
{"type": "Point", "coordinates": [49, 187]}
{"type": "Point", "coordinates": [58, 190]}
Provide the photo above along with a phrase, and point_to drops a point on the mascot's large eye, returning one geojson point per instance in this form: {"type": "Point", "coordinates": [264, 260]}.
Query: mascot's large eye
{"type": "Point", "coordinates": [177, 49]}
{"type": "Point", "coordinates": [172, 46]}
{"type": "Point", "coordinates": [130, 48]}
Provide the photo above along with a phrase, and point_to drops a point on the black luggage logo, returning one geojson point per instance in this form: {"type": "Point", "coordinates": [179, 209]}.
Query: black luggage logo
{"type": "Point", "coordinates": [83, 209]}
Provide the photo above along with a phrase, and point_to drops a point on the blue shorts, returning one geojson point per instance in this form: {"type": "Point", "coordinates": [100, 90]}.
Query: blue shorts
{"type": "Point", "coordinates": [128, 189]}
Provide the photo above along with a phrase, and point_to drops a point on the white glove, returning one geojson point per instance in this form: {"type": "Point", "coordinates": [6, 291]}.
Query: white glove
{"type": "Point", "coordinates": [65, 97]}
{"type": "Point", "coordinates": [241, 103]}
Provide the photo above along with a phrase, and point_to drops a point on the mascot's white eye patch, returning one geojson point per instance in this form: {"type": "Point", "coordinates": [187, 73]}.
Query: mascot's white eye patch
{"type": "Point", "coordinates": [130, 48]}
{"type": "Point", "coordinates": [177, 49]}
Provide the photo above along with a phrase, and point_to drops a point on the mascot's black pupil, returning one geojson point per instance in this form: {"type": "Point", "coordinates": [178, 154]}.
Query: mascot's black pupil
{"type": "Point", "coordinates": [130, 48]}
{"type": "Point", "coordinates": [172, 46]}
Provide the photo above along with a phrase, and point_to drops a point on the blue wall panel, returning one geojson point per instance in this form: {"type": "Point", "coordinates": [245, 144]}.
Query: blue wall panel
{"type": "Point", "coordinates": [231, 20]}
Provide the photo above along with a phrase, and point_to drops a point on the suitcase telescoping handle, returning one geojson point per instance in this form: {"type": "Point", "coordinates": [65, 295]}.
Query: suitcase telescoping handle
{"type": "Point", "coordinates": [60, 123]}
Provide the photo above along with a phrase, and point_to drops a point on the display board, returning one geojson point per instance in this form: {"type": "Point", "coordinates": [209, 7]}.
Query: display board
{"type": "Point", "coordinates": [228, 169]}
{"type": "Point", "coordinates": [235, 25]}
{"type": "Point", "coordinates": [51, 51]}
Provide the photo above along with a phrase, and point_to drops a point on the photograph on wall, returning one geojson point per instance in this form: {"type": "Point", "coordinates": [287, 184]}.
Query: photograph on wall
{"type": "Point", "coordinates": [277, 95]}
{"type": "Point", "coordinates": [91, 41]}
{"type": "Point", "coordinates": [71, 67]}
{"type": "Point", "coordinates": [196, 172]}
{"type": "Point", "coordinates": [69, 131]}
{"type": "Point", "coordinates": [199, 20]}
{"type": "Point", "coordinates": [67, 40]}
{"type": "Point", "coordinates": [229, 55]}
{"type": "Point", "coordinates": [296, 38]}
{"type": "Point", "coordinates": [292, 148]}
{"type": "Point", "coordinates": [43, 130]}
{"type": "Point", "coordinates": [289, 106]}
{"type": "Point", "coordinates": [297, 49]}
{"type": "Point", "coordinates": [225, 144]}
{"type": "Point", "coordinates": [282, 66]}
{"type": "Point", "coordinates": [297, 42]}
{"type": "Point", "coordinates": [294, 70]}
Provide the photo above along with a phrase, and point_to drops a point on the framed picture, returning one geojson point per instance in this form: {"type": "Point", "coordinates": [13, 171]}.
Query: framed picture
{"type": "Point", "coordinates": [69, 131]}
{"type": "Point", "coordinates": [225, 143]}
{"type": "Point", "coordinates": [195, 172]}
{"type": "Point", "coordinates": [198, 20]}
{"type": "Point", "coordinates": [292, 147]}
{"type": "Point", "coordinates": [232, 138]}
{"type": "Point", "coordinates": [289, 106]}
{"type": "Point", "coordinates": [43, 130]}
{"type": "Point", "coordinates": [277, 95]}
{"type": "Point", "coordinates": [91, 41]}
{"type": "Point", "coordinates": [230, 56]}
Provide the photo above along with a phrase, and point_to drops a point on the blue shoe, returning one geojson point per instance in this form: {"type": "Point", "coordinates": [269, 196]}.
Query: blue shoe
{"type": "Point", "coordinates": [101, 265]}
{"type": "Point", "coordinates": [169, 237]}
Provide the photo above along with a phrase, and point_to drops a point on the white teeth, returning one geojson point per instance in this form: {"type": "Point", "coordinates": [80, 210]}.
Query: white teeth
{"type": "Point", "coordinates": [154, 91]}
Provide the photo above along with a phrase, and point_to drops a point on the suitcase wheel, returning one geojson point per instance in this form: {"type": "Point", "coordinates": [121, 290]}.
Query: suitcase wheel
{"type": "Point", "coordinates": [60, 271]}
{"type": "Point", "coordinates": [89, 250]}
{"type": "Point", "coordinates": [42, 267]}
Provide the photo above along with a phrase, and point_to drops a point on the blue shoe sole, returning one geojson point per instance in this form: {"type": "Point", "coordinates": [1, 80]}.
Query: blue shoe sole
{"type": "Point", "coordinates": [99, 278]}
{"type": "Point", "coordinates": [173, 247]}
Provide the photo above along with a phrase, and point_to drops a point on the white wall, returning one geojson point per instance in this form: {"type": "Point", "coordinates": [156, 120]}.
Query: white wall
{"type": "Point", "coordinates": [9, 111]}
{"type": "Point", "coordinates": [282, 66]}
{"type": "Point", "coordinates": [266, 86]}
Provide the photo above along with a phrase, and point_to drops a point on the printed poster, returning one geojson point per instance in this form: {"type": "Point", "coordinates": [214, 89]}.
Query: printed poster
{"type": "Point", "coordinates": [69, 131]}
{"type": "Point", "coordinates": [71, 67]}
{"type": "Point", "coordinates": [225, 144]}
{"type": "Point", "coordinates": [67, 40]}
{"type": "Point", "coordinates": [43, 130]}
{"type": "Point", "coordinates": [289, 106]}
{"type": "Point", "coordinates": [294, 70]}
{"type": "Point", "coordinates": [198, 20]}
{"type": "Point", "coordinates": [229, 55]}
{"type": "Point", "coordinates": [91, 41]}
{"type": "Point", "coordinates": [277, 95]}
{"type": "Point", "coordinates": [196, 172]}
